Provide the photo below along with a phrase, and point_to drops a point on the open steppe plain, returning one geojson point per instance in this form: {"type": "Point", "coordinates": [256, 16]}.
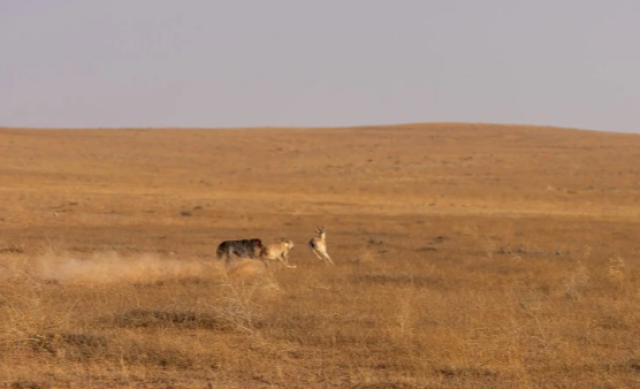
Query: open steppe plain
{"type": "Point", "coordinates": [467, 256]}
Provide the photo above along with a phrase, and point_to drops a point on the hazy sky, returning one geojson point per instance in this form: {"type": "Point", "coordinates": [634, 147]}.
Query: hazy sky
{"type": "Point", "coordinates": [214, 63]}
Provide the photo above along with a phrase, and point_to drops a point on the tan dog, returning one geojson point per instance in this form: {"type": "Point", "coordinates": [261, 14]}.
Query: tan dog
{"type": "Point", "coordinates": [277, 251]}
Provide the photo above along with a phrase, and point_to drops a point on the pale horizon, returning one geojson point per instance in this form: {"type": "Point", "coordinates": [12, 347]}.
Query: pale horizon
{"type": "Point", "coordinates": [202, 64]}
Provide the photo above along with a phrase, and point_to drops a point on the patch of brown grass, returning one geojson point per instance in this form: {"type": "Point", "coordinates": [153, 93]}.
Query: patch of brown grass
{"type": "Point", "coordinates": [467, 256]}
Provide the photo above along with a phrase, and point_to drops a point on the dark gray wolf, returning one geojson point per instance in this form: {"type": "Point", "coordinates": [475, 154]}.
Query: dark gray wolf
{"type": "Point", "coordinates": [241, 248]}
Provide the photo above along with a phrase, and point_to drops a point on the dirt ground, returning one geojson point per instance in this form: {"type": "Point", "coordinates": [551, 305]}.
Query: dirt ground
{"type": "Point", "coordinates": [467, 256]}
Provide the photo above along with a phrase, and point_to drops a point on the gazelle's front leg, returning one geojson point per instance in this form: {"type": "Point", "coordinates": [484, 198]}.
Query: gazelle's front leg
{"type": "Point", "coordinates": [317, 255]}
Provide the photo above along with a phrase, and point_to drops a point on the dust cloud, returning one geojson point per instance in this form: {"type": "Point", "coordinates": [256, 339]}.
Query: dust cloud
{"type": "Point", "coordinates": [112, 267]}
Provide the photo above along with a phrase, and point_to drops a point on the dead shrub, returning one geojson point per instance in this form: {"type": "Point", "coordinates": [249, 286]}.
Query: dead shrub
{"type": "Point", "coordinates": [576, 282]}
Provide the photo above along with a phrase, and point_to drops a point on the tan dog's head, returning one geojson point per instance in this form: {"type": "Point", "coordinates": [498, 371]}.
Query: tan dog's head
{"type": "Point", "coordinates": [288, 244]}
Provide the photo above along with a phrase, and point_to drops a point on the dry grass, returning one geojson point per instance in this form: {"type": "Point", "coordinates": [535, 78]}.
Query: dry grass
{"type": "Point", "coordinates": [467, 256]}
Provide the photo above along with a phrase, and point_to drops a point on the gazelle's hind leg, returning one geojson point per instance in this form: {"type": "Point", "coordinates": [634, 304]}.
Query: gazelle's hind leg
{"type": "Point", "coordinates": [323, 256]}
{"type": "Point", "coordinates": [328, 257]}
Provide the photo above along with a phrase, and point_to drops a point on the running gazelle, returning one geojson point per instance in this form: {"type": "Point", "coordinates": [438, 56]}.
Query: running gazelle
{"type": "Point", "coordinates": [318, 245]}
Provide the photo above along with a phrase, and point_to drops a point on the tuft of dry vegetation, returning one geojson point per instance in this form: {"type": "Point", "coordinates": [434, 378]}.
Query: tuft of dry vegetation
{"type": "Point", "coordinates": [467, 256]}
